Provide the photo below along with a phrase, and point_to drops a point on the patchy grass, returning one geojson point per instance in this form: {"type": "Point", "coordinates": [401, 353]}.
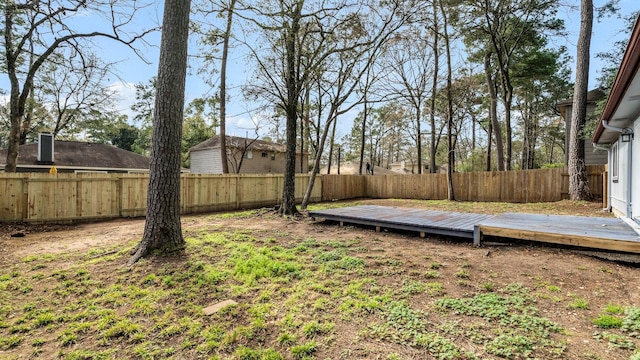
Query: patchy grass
{"type": "Point", "coordinates": [309, 291]}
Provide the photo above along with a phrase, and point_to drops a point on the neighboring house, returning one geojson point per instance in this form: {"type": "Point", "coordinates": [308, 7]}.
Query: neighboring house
{"type": "Point", "coordinates": [592, 156]}
{"type": "Point", "coordinates": [407, 167]}
{"type": "Point", "coordinates": [619, 122]}
{"type": "Point", "coordinates": [74, 156]}
{"type": "Point", "coordinates": [246, 156]}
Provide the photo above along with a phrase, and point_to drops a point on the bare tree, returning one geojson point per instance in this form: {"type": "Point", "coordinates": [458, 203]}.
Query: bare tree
{"type": "Point", "coordinates": [163, 230]}
{"type": "Point", "coordinates": [73, 88]}
{"type": "Point", "coordinates": [38, 29]}
{"type": "Point", "coordinates": [411, 59]}
{"type": "Point", "coordinates": [299, 39]}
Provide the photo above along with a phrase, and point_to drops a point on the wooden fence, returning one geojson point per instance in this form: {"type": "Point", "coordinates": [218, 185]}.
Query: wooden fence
{"type": "Point", "coordinates": [508, 186]}
{"type": "Point", "coordinates": [41, 197]}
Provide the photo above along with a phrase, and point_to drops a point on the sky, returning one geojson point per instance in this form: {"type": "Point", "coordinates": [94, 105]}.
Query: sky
{"type": "Point", "coordinates": [131, 69]}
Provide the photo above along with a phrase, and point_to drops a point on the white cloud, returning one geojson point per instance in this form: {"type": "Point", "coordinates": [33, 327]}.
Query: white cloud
{"type": "Point", "coordinates": [125, 97]}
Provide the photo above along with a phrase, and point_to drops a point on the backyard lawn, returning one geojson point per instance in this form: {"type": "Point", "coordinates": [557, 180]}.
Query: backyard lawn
{"type": "Point", "coordinates": [311, 290]}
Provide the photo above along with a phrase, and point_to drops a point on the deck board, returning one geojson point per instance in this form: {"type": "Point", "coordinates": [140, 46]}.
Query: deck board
{"type": "Point", "coordinates": [590, 232]}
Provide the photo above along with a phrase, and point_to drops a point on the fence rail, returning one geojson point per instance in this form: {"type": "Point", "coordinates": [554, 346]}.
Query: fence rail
{"type": "Point", "coordinates": [41, 197]}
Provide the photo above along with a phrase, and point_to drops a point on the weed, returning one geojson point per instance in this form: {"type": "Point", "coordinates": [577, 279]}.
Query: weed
{"type": "Point", "coordinates": [245, 353]}
{"type": "Point", "coordinates": [553, 288]}
{"type": "Point", "coordinates": [463, 274]}
{"type": "Point", "coordinates": [88, 354]}
{"type": "Point", "coordinates": [605, 270]}
{"type": "Point", "coordinates": [304, 350]}
{"type": "Point", "coordinates": [489, 286]}
{"type": "Point", "coordinates": [511, 345]}
{"type": "Point", "coordinates": [67, 338]}
{"type": "Point", "coordinates": [10, 342]}
{"type": "Point", "coordinates": [614, 340]}
{"type": "Point", "coordinates": [413, 287]}
{"type": "Point", "coordinates": [315, 328]}
{"type": "Point", "coordinates": [123, 328]}
{"type": "Point", "coordinates": [434, 288]}
{"type": "Point", "coordinates": [286, 339]}
{"type": "Point", "coordinates": [614, 309]}
{"type": "Point", "coordinates": [435, 265]}
{"type": "Point", "coordinates": [607, 322]}
{"type": "Point", "coordinates": [631, 321]}
{"type": "Point", "coordinates": [44, 319]}
{"type": "Point", "coordinates": [579, 303]}
{"type": "Point", "coordinates": [431, 274]}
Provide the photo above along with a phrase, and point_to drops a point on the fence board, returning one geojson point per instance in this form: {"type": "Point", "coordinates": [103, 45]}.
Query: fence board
{"type": "Point", "coordinates": [12, 201]}
{"type": "Point", "coordinates": [340, 187]}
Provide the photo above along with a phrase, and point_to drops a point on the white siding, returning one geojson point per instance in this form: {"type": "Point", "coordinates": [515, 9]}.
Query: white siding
{"type": "Point", "coordinates": [619, 188]}
{"type": "Point", "coordinates": [205, 161]}
{"type": "Point", "coordinates": [635, 189]}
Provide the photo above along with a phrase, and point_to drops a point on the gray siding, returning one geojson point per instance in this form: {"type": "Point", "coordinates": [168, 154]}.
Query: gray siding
{"type": "Point", "coordinates": [593, 156]}
{"type": "Point", "coordinates": [205, 161]}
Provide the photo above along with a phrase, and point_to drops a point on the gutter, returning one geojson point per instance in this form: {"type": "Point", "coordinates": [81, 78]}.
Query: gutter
{"type": "Point", "coordinates": [605, 124]}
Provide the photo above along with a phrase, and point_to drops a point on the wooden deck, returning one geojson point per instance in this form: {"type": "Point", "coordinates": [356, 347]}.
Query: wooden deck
{"type": "Point", "coordinates": [419, 220]}
{"type": "Point", "coordinates": [590, 232]}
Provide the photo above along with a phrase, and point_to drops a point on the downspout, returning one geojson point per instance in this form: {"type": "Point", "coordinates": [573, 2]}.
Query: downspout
{"type": "Point", "coordinates": [625, 131]}
{"type": "Point", "coordinates": [609, 181]}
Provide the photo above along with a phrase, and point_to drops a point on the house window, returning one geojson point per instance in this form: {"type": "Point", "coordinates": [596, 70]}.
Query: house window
{"type": "Point", "coordinates": [248, 155]}
{"type": "Point", "coordinates": [614, 162]}
{"type": "Point", "coordinates": [264, 155]}
{"type": "Point", "coordinates": [273, 156]}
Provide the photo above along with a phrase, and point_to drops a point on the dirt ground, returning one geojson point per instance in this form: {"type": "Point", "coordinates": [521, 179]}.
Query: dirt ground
{"type": "Point", "coordinates": [22, 239]}
{"type": "Point", "coordinates": [599, 281]}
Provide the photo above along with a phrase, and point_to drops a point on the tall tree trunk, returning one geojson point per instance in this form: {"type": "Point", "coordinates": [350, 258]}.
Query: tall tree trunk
{"type": "Point", "coordinates": [16, 102]}
{"type": "Point", "coordinates": [288, 205]}
{"type": "Point", "coordinates": [223, 89]}
{"type": "Point", "coordinates": [508, 100]}
{"type": "Point", "coordinates": [364, 134]}
{"type": "Point", "coordinates": [450, 146]}
{"type": "Point", "coordinates": [578, 181]}
{"type": "Point", "coordinates": [493, 110]}
{"type": "Point", "coordinates": [304, 126]}
{"type": "Point", "coordinates": [419, 137]}
{"type": "Point", "coordinates": [489, 142]}
{"type": "Point", "coordinates": [434, 90]}
{"type": "Point", "coordinates": [331, 145]}
{"type": "Point", "coordinates": [163, 230]}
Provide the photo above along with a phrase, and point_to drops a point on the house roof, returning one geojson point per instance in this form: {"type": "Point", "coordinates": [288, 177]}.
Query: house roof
{"type": "Point", "coordinates": [81, 155]}
{"type": "Point", "coordinates": [592, 97]}
{"type": "Point", "coordinates": [236, 142]}
{"type": "Point", "coordinates": [622, 106]}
